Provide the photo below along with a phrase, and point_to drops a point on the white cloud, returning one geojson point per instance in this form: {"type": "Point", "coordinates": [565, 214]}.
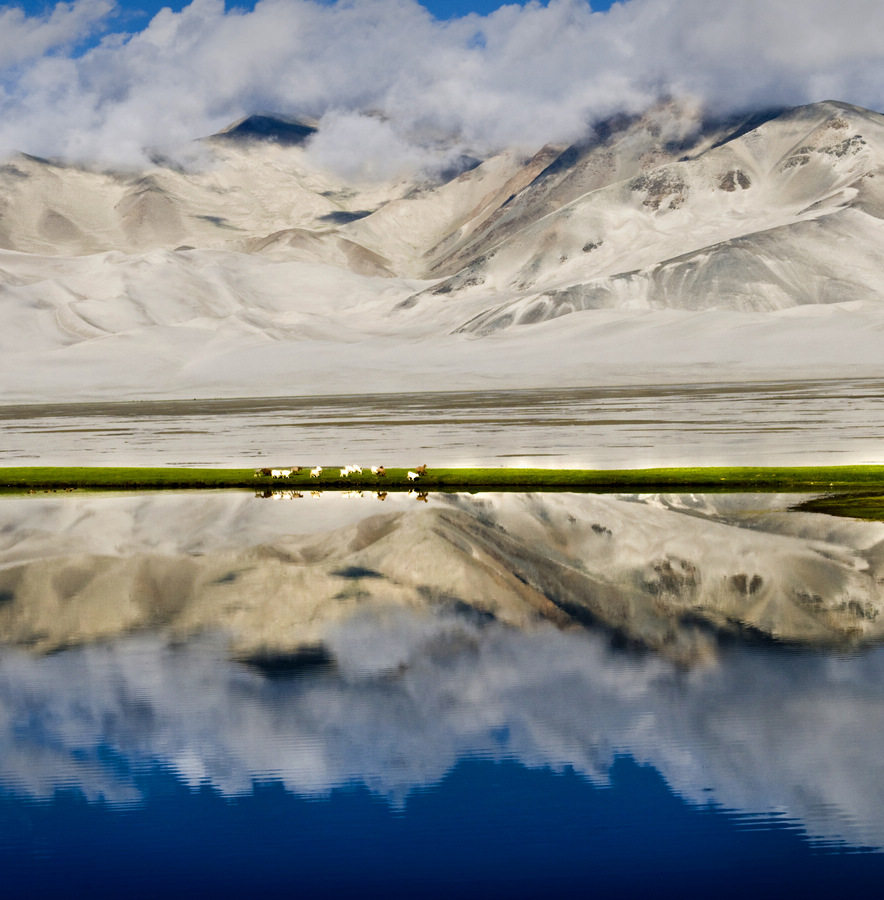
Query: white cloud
{"type": "Point", "coordinates": [364, 146]}
{"type": "Point", "coordinates": [520, 75]}
{"type": "Point", "coordinates": [25, 37]}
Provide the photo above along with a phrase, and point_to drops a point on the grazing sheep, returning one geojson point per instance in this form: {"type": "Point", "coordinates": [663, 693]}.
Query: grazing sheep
{"type": "Point", "coordinates": [315, 473]}
{"type": "Point", "coordinates": [412, 476]}
{"type": "Point", "coordinates": [355, 469]}
{"type": "Point", "coordinates": [280, 473]}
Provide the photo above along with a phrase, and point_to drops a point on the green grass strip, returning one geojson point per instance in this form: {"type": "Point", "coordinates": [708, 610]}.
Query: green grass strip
{"type": "Point", "coordinates": [850, 505]}
{"type": "Point", "coordinates": [741, 478]}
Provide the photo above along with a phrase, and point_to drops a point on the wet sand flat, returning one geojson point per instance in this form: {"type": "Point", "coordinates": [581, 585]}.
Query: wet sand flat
{"type": "Point", "coordinates": [825, 422]}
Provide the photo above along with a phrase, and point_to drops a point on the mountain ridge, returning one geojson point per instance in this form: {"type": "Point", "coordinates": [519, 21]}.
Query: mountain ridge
{"type": "Point", "coordinates": [263, 268]}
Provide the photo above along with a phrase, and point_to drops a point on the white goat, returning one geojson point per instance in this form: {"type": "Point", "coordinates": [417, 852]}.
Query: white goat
{"type": "Point", "coordinates": [315, 473]}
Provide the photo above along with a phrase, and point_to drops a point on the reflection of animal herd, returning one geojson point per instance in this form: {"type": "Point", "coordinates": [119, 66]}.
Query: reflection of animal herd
{"type": "Point", "coordinates": [346, 472]}
{"type": "Point", "coordinates": [270, 494]}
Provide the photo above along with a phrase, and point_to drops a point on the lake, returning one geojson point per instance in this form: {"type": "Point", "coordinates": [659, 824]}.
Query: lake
{"type": "Point", "coordinates": [481, 694]}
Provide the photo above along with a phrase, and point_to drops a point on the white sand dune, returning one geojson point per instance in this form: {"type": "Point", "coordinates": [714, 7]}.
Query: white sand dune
{"type": "Point", "coordinates": [723, 255]}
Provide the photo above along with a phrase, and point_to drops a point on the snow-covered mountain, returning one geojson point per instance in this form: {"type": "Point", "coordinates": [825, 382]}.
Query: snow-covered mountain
{"type": "Point", "coordinates": [663, 247]}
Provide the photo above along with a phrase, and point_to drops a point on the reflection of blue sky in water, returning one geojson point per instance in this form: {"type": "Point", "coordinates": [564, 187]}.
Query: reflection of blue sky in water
{"type": "Point", "coordinates": [764, 731]}
{"type": "Point", "coordinates": [488, 830]}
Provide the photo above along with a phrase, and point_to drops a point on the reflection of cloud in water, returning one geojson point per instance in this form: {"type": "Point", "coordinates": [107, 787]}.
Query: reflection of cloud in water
{"type": "Point", "coordinates": [764, 729]}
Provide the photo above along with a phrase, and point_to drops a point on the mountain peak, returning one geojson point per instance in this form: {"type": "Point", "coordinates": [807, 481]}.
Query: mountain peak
{"type": "Point", "coordinates": [268, 127]}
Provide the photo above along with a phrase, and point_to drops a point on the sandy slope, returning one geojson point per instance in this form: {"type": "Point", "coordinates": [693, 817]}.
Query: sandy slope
{"type": "Point", "coordinates": [661, 250]}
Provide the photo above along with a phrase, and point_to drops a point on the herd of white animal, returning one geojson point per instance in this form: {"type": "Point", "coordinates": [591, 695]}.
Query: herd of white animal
{"type": "Point", "coordinates": [346, 472]}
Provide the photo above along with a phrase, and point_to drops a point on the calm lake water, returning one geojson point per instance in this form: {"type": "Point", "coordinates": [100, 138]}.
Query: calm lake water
{"type": "Point", "coordinates": [489, 695]}
{"type": "Point", "coordinates": [788, 423]}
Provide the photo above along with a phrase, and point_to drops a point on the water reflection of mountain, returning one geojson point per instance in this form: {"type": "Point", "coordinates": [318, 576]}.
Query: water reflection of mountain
{"type": "Point", "coordinates": [669, 573]}
{"type": "Point", "coordinates": [382, 642]}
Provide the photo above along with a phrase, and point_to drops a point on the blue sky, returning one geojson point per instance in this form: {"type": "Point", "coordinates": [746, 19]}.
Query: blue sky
{"type": "Point", "coordinates": [134, 14]}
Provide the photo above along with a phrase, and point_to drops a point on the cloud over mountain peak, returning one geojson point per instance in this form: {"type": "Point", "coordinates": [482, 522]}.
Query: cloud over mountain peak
{"type": "Point", "coordinates": [521, 75]}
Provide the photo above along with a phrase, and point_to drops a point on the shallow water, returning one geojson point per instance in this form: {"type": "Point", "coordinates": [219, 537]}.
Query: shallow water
{"type": "Point", "coordinates": [167, 729]}
{"type": "Point", "coordinates": [504, 764]}
{"type": "Point", "coordinates": [787, 423]}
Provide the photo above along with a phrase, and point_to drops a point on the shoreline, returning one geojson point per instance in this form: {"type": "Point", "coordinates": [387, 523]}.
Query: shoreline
{"type": "Point", "coordinates": [788, 479]}
{"type": "Point", "coordinates": [855, 491]}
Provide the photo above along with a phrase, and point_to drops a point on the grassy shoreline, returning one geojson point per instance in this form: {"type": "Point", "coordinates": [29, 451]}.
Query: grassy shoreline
{"type": "Point", "coordinates": [852, 491]}
{"type": "Point", "coordinates": [798, 479]}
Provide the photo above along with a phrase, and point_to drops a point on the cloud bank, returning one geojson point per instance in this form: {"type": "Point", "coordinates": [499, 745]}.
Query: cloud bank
{"type": "Point", "coordinates": [521, 75]}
